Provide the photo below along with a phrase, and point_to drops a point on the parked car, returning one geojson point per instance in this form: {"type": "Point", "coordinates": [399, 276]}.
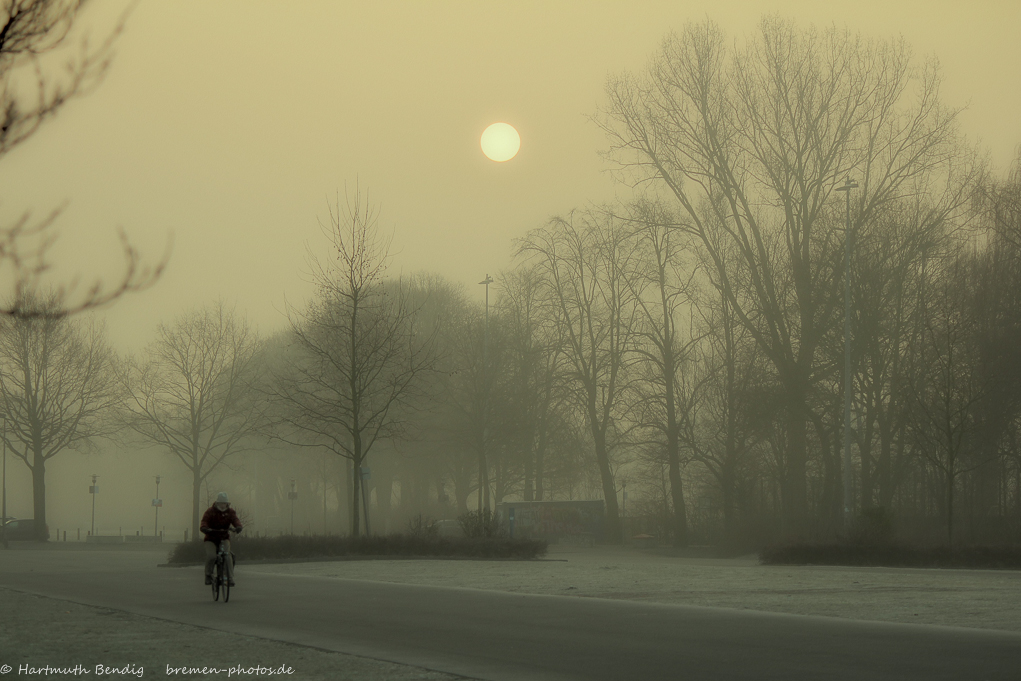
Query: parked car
{"type": "Point", "coordinates": [23, 528]}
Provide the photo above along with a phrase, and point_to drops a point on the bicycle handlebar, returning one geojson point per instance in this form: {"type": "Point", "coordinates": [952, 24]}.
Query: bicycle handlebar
{"type": "Point", "coordinates": [207, 530]}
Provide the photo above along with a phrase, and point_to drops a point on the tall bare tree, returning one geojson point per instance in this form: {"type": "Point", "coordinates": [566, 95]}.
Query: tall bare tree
{"type": "Point", "coordinates": [583, 260]}
{"type": "Point", "coordinates": [535, 359]}
{"type": "Point", "coordinates": [56, 387]}
{"type": "Point", "coordinates": [664, 273]}
{"type": "Point", "coordinates": [357, 357]}
{"type": "Point", "coordinates": [194, 392]}
{"type": "Point", "coordinates": [442, 428]}
{"type": "Point", "coordinates": [948, 387]}
{"type": "Point", "coordinates": [751, 145]}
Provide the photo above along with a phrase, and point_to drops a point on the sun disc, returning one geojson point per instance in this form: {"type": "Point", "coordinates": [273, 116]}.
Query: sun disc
{"type": "Point", "coordinates": [500, 142]}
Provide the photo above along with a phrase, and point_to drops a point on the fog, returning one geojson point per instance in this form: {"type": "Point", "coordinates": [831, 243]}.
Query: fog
{"type": "Point", "coordinates": [224, 134]}
{"type": "Point", "coordinates": [227, 127]}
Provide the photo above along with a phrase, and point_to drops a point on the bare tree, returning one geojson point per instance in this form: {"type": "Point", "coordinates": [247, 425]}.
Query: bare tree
{"type": "Point", "coordinates": [948, 385]}
{"type": "Point", "coordinates": [727, 408]}
{"type": "Point", "coordinates": [888, 258]}
{"type": "Point", "coordinates": [357, 357]}
{"type": "Point", "coordinates": [751, 145]}
{"type": "Point", "coordinates": [30, 95]}
{"type": "Point", "coordinates": [194, 392]}
{"type": "Point", "coordinates": [56, 385]}
{"type": "Point", "coordinates": [665, 274]}
{"type": "Point", "coordinates": [535, 369]}
{"type": "Point", "coordinates": [583, 268]}
{"type": "Point", "coordinates": [442, 427]}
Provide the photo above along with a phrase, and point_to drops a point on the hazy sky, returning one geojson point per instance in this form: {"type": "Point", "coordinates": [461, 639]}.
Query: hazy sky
{"type": "Point", "coordinates": [229, 125]}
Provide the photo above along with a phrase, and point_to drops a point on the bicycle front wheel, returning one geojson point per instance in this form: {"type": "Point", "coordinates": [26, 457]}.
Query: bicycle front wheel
{"type": "Point", "coordinates": [218, 580]}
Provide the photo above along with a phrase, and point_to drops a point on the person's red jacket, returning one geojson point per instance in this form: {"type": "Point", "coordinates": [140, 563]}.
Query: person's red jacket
{"type": "Point", "coordinates": [218, 522]}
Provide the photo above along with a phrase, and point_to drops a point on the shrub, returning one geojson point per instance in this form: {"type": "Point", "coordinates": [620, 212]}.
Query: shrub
{"type": "Point", "coordinates": [893, 555]}
{"type": "Point", "coordinates": [477, 524]}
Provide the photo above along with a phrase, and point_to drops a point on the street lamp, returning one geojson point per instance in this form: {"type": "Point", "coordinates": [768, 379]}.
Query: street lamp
{"type": "Point", "coordinates": [849, 184]}
{"type": "Point", "coordinates": [93, 490]}
{"type": "Point", "coordinates": [483, 468]}
{"type": "Point", "coordinates": [157, 502]}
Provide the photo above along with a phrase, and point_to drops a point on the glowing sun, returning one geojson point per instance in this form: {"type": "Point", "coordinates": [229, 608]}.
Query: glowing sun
{"type": "Point", "coordinates": [500, 142]}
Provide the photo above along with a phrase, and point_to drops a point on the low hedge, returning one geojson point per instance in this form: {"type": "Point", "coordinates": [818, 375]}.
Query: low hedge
{"type": "Point", "coordinates": [395, 545]}
{"type": "Point", "coordinates": [893, 555]}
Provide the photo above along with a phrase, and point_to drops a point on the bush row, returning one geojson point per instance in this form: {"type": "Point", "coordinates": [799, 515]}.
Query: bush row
{"type": "Point", "coordinates": [404, 545]}
{"type": "Point", "coordinates": [893, 555]}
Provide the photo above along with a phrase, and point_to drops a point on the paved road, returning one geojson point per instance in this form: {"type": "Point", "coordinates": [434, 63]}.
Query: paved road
{"type": "Point", "coordinates": [494, 635]}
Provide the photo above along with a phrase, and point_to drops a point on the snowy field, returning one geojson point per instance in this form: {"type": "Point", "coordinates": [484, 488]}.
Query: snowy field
{"type": "Point", "coordinates": [989, 599]}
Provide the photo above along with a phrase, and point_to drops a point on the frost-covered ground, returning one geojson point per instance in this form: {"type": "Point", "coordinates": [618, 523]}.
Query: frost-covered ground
{"type": "Point", "coordinates": [46, 632]}
{"type": "Point", "coordinates": [988, 599]}
{"type": "Point", "coordinates": [40, 630]}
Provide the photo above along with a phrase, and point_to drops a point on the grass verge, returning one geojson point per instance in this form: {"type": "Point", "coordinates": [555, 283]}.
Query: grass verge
{"type": "Point", "coordinates": [894, 555]}
{"type": "Point", "coordinates": [394, 545]}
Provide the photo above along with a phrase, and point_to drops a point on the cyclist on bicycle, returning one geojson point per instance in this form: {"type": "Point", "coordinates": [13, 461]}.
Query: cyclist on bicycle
{"type": "Point", "coordinates": [216, 524]}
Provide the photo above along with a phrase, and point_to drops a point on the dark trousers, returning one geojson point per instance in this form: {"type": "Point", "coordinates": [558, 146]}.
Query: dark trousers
{"type": "Point", "coordinates": [210, 548]}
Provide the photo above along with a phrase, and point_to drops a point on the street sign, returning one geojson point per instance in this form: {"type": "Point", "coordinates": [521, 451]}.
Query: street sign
{"type": "Point", "coordinates": [93, 489]}
{"type": "Point", "coordinates": [366, 473]}
{"type": "Point", "coordinates": [157, 502]}
{"type": "Point", "coordinates": [292, 495]}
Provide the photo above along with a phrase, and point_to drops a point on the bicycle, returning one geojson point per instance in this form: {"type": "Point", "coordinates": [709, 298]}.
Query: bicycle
{"type": "Point", "coordinates": [220, 581]}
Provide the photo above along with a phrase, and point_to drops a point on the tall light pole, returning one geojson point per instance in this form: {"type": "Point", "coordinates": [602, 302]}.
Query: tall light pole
{"type": "Point", "coordinates": [849, 184]}
{"type": "Point", "coordinates": [93, 490]}
{"type": "Point", "coordinates": [157, 502]}
{"type": "Point", "coordinates": [483, 466]}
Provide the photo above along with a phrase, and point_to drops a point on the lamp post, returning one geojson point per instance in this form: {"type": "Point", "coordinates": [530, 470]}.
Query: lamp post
{"type": "Point", "coordinates": [157, 502]}
{"type": "Point", "coordinates": [849, 184]}
{"type": "Point", "coordinates": [483, 466]}
{"type": "Point", "coordinates": [93, 490]}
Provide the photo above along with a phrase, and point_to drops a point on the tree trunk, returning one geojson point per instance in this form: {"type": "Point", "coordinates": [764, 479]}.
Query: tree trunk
{"type": "Point", "coordinates": [950, 509]}
{"type": "Point", "coordinates": [680, 516]}
{"type": "Point", "coordinates": [614, 534]}
{"type": "Point", "coordinates": [795, 503]}
{"type": "Point", "coordinates": [196, 511]}
{"type": "Point", "coordinates": [727, 491]}
{"type": "Point", "coordinates": [39, 494]}
{"type": "Point", "coordinates": [384, 497]}
{"type": "Point", "coordinates": [529, 491]}
{"type": "Point", "coordinates": [831, 490]}
{"type": "Point", "coordinates": [356, 496]}
{"type": "Point", "coordinates": [884, 469]}
{"type": "Point", "coordinates": [540, 462]}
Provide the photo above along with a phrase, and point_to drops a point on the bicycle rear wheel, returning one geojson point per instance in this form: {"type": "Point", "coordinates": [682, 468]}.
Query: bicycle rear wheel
{"type": "Point", "coordinates": [226, 589]}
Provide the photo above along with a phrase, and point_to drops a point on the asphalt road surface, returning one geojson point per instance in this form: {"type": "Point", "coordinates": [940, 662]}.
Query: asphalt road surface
{"type": "Point", "coordinates": [494, 635]}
